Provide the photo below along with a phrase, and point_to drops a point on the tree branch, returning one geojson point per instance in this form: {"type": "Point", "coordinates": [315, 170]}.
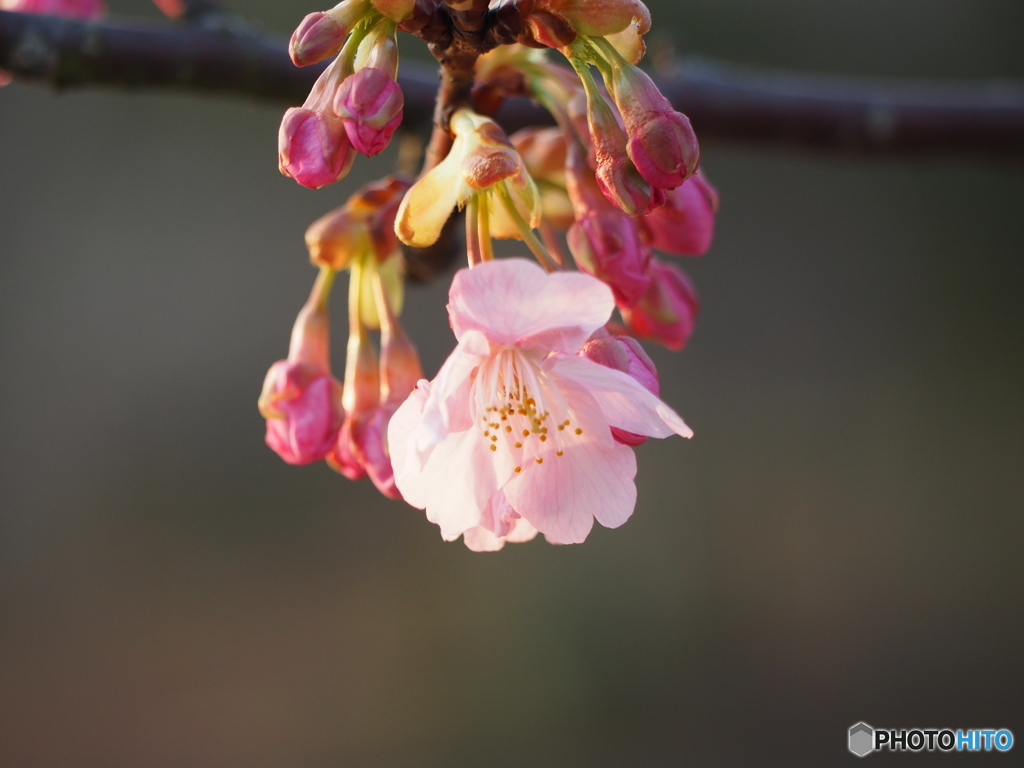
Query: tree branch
{"type": "Point", "coordinates": [723, 102]}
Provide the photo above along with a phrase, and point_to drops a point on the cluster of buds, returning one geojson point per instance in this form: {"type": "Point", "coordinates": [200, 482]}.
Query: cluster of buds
{"type": "Point", "coordinates": [529, 426]}
{"type": "Point", "coordinates": [355, 105]}
{"type": "Point", "coordinates": [656, 299]}
{"type": "Point", "coordinates": [310, 415]}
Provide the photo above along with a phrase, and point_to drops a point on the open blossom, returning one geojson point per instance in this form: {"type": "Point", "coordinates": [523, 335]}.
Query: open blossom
{"type": "Point", "coordinates": [668, 311]}
{"type": "Point", "coordinates": [70, 9]}
{"type": "Point", "coordinates": [515, 411]}
{"type": "Point", "coordinates": [301, 400]}
{"type": "Point", "coordinates": [685, 225]}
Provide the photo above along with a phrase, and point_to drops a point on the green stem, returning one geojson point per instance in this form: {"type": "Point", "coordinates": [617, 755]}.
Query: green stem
{"type": "Point", "coordinates": [535, 245]}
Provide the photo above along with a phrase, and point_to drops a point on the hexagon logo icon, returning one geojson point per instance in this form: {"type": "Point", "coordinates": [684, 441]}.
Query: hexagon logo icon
{"type": "Point", "coordinates": [862, 739]}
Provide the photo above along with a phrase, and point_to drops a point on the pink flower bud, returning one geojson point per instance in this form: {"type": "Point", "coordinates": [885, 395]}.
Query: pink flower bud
{"type": "Point", "coordinates": [370, 106]}
{"type": "Point", "coordinates": [69, 9]}
{"type": "Point", "coordinates": [318, 37]}
{"type": "Point", "coordinates": [667, 312]}
{"type": "Point", "coordinates": [301, 400]}
{"type": "Point", "coordinates": [604, 241]}
{"type": "Point", "coordinates": [606, 245]}
{"type": "Point", "coordinates": [623, 185]}
{"type": "Point", "coordinates": [303, 411]}
{"type": "Point", "coordinates": [664, 149]}
{"type": "Point", "coordinates": [686, 223]}
{"type": "Point", "coordinates": [313, 147]}
{"type": "Point", "coordinates": [617, 177]}
{"type": "Point", "coordinates": [624, 353]}
{"type": "Point", "coordinates": [662, 144]}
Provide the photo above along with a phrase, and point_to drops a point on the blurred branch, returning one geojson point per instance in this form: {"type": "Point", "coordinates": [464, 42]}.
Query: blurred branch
{"type": "Point", "coordinates": [724, 102]}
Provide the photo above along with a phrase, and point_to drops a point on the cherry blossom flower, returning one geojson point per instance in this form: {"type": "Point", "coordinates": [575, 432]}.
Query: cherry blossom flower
{"type": "Point", "coordinates": [515, 411]}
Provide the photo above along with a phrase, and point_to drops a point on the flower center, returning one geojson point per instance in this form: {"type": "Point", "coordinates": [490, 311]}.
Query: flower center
{"type": "Point", "coordinates": [520, 410]}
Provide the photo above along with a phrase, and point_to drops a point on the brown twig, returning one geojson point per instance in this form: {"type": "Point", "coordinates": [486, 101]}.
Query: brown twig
{"type": "Point", "coordinates": [769, 109]}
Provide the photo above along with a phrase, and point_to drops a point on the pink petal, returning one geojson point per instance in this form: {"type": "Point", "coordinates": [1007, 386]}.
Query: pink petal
{"type": "Point", "coordinates": [406, 460]}
{"type": "Point", "coordinates": [561, 495]}
{"type": "Point", "coordinates": [479, 539]}
{"type": "Point", "coordinates": [521, 532]}
{"type": "Point", "coordinates": [482, 540]}
{"type": "Point", "coordinates": [447, 408]}
{"type": "Point", "coordinates": [460, 478]}
{"type": "Point", "coordinates": [623, 401]}
{"type": "Point", "coordinates": [514, 302]}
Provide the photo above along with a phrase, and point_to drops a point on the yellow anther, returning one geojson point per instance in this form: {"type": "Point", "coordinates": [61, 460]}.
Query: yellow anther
{"type": "Point", "coordinates": [579, 431]}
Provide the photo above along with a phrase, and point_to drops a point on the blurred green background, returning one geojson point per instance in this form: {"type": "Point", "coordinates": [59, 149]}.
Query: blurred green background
{"type": "Point", "coordinates": [841, 541]}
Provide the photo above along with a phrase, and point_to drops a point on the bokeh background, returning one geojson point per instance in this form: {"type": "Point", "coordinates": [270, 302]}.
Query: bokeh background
{"type": "Point", "coordinates": [841, 541]}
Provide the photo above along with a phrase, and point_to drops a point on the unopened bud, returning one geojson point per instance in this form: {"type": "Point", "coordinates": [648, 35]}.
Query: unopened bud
{"type": "Point", "coordinates": [313, 147]}
{"type": "Point", "coordinates": [369, 104]}
{"type": "Point", "coordinates": [301, 400]}
{"type": "Point", "coordinates": [604, 241]}
{"type": "Point", "coordinates": [318, 37]}
{"type": "Point", "coordinates": [303, 411]}
{"type": "Point", "coordinates": [667, 312]}
{"type": "Point", "coordinates": [624, 353]}
{"type": "Point", "coordinates": [662, 144]}
{"type": "Point", "coordinates": [606, 245]}
{"type": "Point", "coordinates": [685, 225]}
